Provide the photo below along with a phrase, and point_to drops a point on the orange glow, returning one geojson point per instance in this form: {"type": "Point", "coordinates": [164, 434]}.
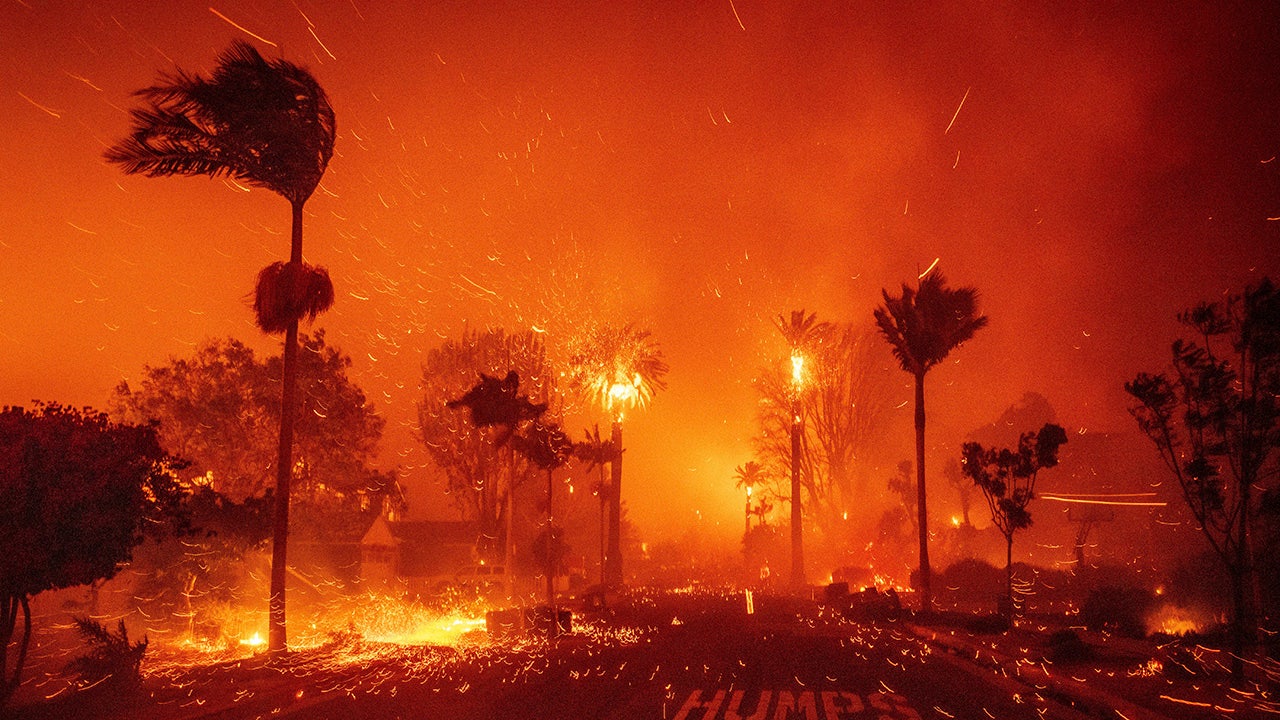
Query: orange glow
{"type": "Point", "coordinates": [254, 641]}
{"type": "Point", "coordinates": [1174, 620]}
{"type": "Point", "coordinates": [554, 182]}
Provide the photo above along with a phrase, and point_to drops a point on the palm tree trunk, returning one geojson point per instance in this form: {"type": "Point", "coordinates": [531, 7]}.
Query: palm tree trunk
{"type": "Point", "coordinates": [277, 641]}
{"type": "Point", "coordinates": [797, 514]}
{"type": "Point", "coordinates": [284, 471]}
{"type": "Point", "coordinates": [9, 682]}
{"type": "Point", "coordinates": [604, 502]}
{"type": "Point", "coordinates": [509, 545]}
{"type": "Point", "coordinates": [613, 558]}
{"type": "Point", "coordinates": [922, 513]}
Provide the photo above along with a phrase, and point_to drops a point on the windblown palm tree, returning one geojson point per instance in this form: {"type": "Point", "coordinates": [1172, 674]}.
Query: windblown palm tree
{"type": "Point", "coordinates": [802, 332]}
{"type": "Point", "coordinates": [269, 124]}
{"type": "Point", "coordinates": [922, 326]}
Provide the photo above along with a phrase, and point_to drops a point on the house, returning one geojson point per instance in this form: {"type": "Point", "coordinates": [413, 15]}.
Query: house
{"type": "Point", "coordinates": [416, 555]}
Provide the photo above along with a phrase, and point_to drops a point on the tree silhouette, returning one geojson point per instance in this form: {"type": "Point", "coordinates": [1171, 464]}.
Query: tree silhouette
{"type": "Point", "coordinates": [619, 368]}
{"type": "Point", "coordinates": [495, 403]}
{"type": "Point", "coordinates": [1216, 423]}
{"type": "Point", "coordinates": [908, 492]}
{"type": "Point", "coordinates": [844, 398]}
{"type": "Point", "coordinates": [548, 447]}
{"type": "Point", "coordinates": [748, 476]}
{"type": "Point", "coordinates": [77, 494]}
{"type": "Point", "coordinates": [802, 332]}
{"type": "Point", "coordinates": [268, 123]}
{"type": "Point", "coordinates": [922, 326]}
{"type": "Point", "coordinates": [597, 452]}
{"type": "Point", "coordinates": [478, 468]}
{"type": "Point", "coordinates": [1007, 479]}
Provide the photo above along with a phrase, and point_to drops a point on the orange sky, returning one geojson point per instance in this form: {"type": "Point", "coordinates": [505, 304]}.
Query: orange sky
{"type": "Point", "coordinates": [697, 168]}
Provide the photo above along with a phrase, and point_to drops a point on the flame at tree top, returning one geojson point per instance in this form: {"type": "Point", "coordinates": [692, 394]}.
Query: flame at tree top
{"type": "Point", "coordinates": [618, 368]}
{"type": "Point", "coordinates": [797, 368]}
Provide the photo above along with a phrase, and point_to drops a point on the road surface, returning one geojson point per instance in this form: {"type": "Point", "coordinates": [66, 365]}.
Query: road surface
{"type": "Point", "coordinates": [692, 657]}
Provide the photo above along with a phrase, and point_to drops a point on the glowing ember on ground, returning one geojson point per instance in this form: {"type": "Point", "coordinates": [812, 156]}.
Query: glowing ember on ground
{"type": "Point", "coordinates": [255, 640]}
{"type": "Point", "coordinates": [441, 631]}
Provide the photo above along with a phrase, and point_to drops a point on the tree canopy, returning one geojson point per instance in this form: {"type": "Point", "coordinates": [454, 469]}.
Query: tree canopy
{"type": "Point", "coordinates": [77, 494]}
{"type": "Point", "coordinates": [218, 409]}
{"type": "Point", "coordinates": [1007, 478]}
{"type": "Point", "coordinates": [1215, 420]}
{"type": "Point", "coordinates": [843, 403]}
{"type": "Point", "coordinates": [477, 475]}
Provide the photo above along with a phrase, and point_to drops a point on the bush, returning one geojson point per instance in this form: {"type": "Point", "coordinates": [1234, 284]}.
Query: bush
{"type": "Point", "coordinates": [971, 579]}
{"type": "Point", "coordinates": [1121, 610]}
{"type": "Point", "coordinates": [112, 660]}
{"type": "Point", "coordinates": [1066, 646]}
{"type": "Point", "coordinates": [991, 624]}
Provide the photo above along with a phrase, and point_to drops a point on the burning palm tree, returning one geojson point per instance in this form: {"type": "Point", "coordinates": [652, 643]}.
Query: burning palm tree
{"type": "Point", "coordinates": [619, 369]}
{"type": "Point", "coordinates": [802, 332]}
{"type": "Point", "coordinates": [269, 124]}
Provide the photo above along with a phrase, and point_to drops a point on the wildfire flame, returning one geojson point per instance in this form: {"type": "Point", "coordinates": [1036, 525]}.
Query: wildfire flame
{"type": "Point", "coordinates": [1171, 619]}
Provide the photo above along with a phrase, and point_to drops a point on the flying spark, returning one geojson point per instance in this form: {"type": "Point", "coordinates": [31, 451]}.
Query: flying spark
{"type": "Point", "coordinates": [957, 113]}
{"type": "Point", "coordinates": [245, 30]}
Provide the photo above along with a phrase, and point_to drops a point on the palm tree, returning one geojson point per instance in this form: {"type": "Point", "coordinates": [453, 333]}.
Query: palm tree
{"type": "Point", "coordinates": [801, 332]}
{"type": "Point", "coordinates": [597, 452]}
{"type": "Point", "coordinates": [269, 124]}
{"type": "Point", "coordinates": [747, 476]}
{"type": "Point", "coordinates": [547, 446]}
{"type": "Point", "coordinates": [922, 326]}
{"type": "Point", "coordinates": [620, 368]}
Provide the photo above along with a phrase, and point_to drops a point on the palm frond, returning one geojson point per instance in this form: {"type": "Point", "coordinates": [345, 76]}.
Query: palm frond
{"type": "Point", "coordinates": [267, 123]}
{"type": "Point", "coordinates": [924, 324]}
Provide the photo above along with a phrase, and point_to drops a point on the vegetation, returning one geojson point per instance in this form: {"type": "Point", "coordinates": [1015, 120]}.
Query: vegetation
{"type": "Point", "coordinates": [268, 123]}
{"type": "Point", "coordinates": [1215, 419]}
{"type": "Point", "coordinates": [618, 368]}
{"type": "Point", "coordinates": [1117, 609]}
{"type": "Point", "coordinates": [216, 409]}
{"type": "Point", "coordinates": [112, 659]}
{"type": "Point", "coordinates": [802, 332]}
{"type": "Point", "coordinates": [1007, 479]}
{"type": "Point", "coordinates": [467, 448]}
{"type": "Point", "coordinates": [922, 326]}
{"type": "Point", "coordinates": [77, 494]}
{"type": "Point", "coordinates": [549, 448]}
{"type": "Point", "coordinates": [597, 452]}
{"type": "Point", "coordinates": [844, 400]}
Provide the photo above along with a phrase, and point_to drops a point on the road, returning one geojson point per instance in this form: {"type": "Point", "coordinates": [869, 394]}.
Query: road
{"type": "Point", "coordinates": [693, 657]}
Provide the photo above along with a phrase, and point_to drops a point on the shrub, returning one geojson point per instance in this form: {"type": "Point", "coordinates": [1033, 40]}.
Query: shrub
{"type": "Point", "coordinates": [972, 579]}
{"type": "Point", "coordinates": [112, 660]}
{"type": "Point", "coordinates": [1066, 646]}
{"type": "Point", "coordinates": [990, 624]}
{"type": "Point", "coordinates": [1121, 610]}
